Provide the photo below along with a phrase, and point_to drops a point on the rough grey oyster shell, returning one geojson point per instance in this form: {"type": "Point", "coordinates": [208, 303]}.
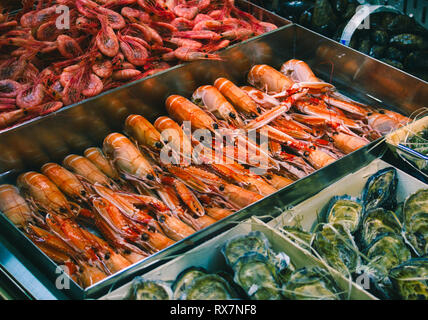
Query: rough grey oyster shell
{"type": "Point", "coordinates": [142, 289]}
{"type": "Point", "coordinates": [415, 216]}
{"type": "Point", "coordinates": [304, 238]}
{"type": "Point", "coordinates": [385, 252]}
{"type": "Point", "coordinates": [240, 245]}
{"type": "Point", "coordinates": [311, 283]}
{"type": "Point", "coordinates": [345, 210]}
{"type": "Point", "coordinates": [377, 222]}
{"type": "Point", "coordinates": [257, 276]}
{"type": "Point", "coordinates": [380, 190]}
{"type": "Point", "coordinates": [336, 246]}
{"type": "Point", "coordinates": [184, 279]}
{"type": "Point", "coordinates": [410, 279]}
{"type": "Point", "coordinates": [208, 287]}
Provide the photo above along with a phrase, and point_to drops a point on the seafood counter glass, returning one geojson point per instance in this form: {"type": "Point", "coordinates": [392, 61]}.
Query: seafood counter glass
{"type": "Point", "coordinates": [355, 75]}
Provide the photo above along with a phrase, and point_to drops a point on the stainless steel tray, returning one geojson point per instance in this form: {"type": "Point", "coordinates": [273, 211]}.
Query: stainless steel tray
{"type": "Point", "coordinates": [86, 124]}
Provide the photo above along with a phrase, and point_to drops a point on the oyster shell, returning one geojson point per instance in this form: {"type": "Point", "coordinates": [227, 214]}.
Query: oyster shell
{"type": "Point", "coordinates": [410, 279]}
{"type": "Point", "coordinates": [257, 276]}
{"type": "Point", "coordinates": [336, 246]}
{"type": "Point", "coordinates": [345, 210]}
{"type": "Point", "coordinates": [311, 283]}
{"type": "Point", "coordinates": [184, 279]}
{"type": "Point", "coordinates": [208, 287]}
{"type": "Point", "coordinates": [142, 289]}
{"type": "Point", "coordinates": [240, 245]}
{"type": "Point", "coordinates": [376, 222]}
{"type": "Point", "coordinates": [298, 235]}
{"type": "Point", "coordinates": [380, 190]}
{"type": "Point", "coordinates": [385, 252]}
{"type": "Point", "coordinates": [415, 215]}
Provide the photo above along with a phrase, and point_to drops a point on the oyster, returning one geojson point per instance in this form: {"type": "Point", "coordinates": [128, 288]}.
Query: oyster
{"type": "Point", "coordinates": [184, 279]}
{"type": "Point", "coordinates": [344, 210]}
{"type": "Point", "coordinates": [415, 215]}
{"type": "Point", "coordinates": [208, 287]}
{"type": "Point", "coordinates": [142, 289]}
{"type": "Point", "coordinates": [256, 242]}
{"type": "Point", "coordinates": [376, 222]}
{"type": "Point", "coordinates": [336, 246]}
{"type": "Point", "coordinates": [310, 284]}
{"type": "Point", "coordinates": [242, 244]}
{"type": "Point", "coordinates": [410, 279]}
{"type": "Point", "coordinates": [298, 235]}
{"type": "Point", "coordinates": [380, 190]}
{"type": "Point", "coordinates": [257, 276]}
{"type": "Point", "coordinates": [385, 252]}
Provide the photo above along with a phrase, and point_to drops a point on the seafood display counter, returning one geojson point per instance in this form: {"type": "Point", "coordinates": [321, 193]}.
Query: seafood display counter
{"type": "Point", "coordinates": [74, 129]}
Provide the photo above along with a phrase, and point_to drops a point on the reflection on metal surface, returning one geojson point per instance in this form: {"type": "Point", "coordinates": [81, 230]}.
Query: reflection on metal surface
{"type": "Point", "coordinates": [84, 125]}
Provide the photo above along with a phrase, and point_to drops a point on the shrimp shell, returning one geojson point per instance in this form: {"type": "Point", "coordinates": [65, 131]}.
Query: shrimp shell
{"type": "Point", "coordinates": [128, 159]}
{"type": "Point", "coordinates": [44, 192]}
{"type": "Point", "coordinates": [85, 168]}
{"type": "Point", "coordinates": [13, 205]}
{"type": "Point", "coordinates": [66, 181]}
{"type": "Point", "coordinates": [96, 156]}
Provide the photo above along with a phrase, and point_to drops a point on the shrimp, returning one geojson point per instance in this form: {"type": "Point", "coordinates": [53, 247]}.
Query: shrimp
{"type": "Point", "coordinates": [267, 78]}
{"type": "Point", "coordinates": [11, 117]}
{"type": "Point", "coordinates": [348, 143]}
{"type": "Point", "coordinates": [83, 167]}
{"type": "Point", "coordinates": [68, 46]}
{"type": "Point", "coordinates": [237, 97]}
{"type": "Point", "coordinates": [134, 49]}
{"type": "Point", "coordinates": [56, 248]}
{"type": "Point", "coordinates": [106, 39]}
{"type": "Point", "coordinates": [66, 181]}
{"type": "Point", "coordinates": [173, 227]}
{"type": "Point", "coordinates": [113, 261]}
{"type": "Point", "coordinates": [209, 98]}
{"type": "Point", "coordinates": [188, 43]}
{"type": "Point", "coordinates": [301, 73]}
{"type": "Point", "coordinates": [182, 109]}
{"type": "Point", "coordinates": [127, 204]}
{"type": "Point", "coordinates": [9, 88]}
{"type": "Point", "coordinates": [44, 193]}
{"type": "Point", "coordinates": [73, 235]}
{"type": "Point", "coordinates": [190, 54]}
{"type": "Point", "coordinates": [277, 181]}
{"type": "Point", "coordinates": [118, 229]}
{"type": "Point", "coordinates": [261, 98]}
{"type": "Point", "coordinates": [175, 138]}
{"type": "Point", "coordinates": [126, 74]}
{"type": "Point", "coordinates": [30, 96]}
{"type": "Point", "coordinates": [218, 213]}
{"type": "Point", "coordinates": [186, 195]}
{"type": "Point", "coordinates": [96, 156]}
{"type": "Point", "coordinates": [169, 196]}
{"type": "Point", "coordinates": [14, 206]}
{"type": "Point", "coordinates": [206, 182]}
{"type": "Point", "coordinates": [143, 132]}
{"type": "Point", "coordinates": [128, 159]}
